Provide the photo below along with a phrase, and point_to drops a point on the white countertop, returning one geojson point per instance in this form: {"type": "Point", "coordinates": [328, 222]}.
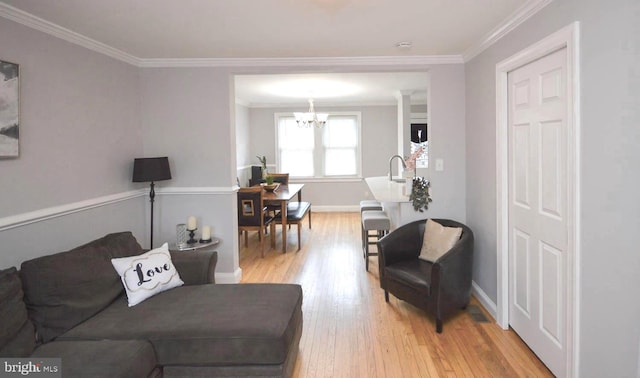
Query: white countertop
{"type": "Point", "coordinates": [384, 190]}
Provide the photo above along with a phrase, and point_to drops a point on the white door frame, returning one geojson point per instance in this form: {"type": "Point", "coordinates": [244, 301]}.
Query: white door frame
{"type": "Point", "coordinates": [568, 38]}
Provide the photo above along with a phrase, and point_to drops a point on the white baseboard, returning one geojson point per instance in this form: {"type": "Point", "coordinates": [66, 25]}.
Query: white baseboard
{"type": "Point", "coordinates": [484, 300]}
{"type": "Point", "coordinates": [229, 278]}
{"type": "Point", "coordinates": [335, 209]}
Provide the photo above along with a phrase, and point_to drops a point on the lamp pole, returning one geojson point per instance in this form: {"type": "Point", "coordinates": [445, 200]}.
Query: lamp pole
{"type": "Point", "coordinates": [152, 196]}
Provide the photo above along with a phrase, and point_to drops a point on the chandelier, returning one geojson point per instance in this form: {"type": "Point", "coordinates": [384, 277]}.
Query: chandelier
{"type": "Point", "coordinates": [311, 118]}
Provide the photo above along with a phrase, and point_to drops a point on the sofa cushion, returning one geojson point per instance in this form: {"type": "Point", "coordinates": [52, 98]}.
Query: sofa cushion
{"type": "Point", "coordinates": [17, 335]}
{"type": "Point", "coordinates": [65, 289]}
{"type": "Point", "coordinates": [206, 324]}
{"type": "Point", "coordinates": [148, 274]}
{"type": "Point", "coordinates": [438, 240]}
{"type": "Point", "coordinates": [105, 358]}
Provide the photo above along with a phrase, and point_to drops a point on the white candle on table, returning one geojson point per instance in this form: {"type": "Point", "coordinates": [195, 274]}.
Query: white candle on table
{"type": "Point", "coordinates": [206, 232]}
{"type": "Point", "coordinates": [191, 223]}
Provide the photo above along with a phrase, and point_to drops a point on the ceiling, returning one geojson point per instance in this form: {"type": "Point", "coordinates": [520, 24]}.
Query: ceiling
{"type": "Point", "coordinates": [149, 30]}
{"type": "Point", "coordinates": [331, 89]}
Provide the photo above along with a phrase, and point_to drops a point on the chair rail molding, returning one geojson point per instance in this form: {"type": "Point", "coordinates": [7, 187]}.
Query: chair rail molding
{"type": "Point", "coordinates": [205, 190]}
{"type": "Point", "coordinates": [40, 215]}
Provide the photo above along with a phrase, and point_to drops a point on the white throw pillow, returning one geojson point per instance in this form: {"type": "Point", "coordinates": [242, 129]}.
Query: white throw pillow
{"type": "Point", "coordinates": [148, 274]}
{"type": "Point", "coordinates": [437, 240]}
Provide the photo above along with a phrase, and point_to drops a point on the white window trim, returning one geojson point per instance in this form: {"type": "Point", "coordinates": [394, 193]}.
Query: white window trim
{"type": "Point", "coordinates": [318, 134]}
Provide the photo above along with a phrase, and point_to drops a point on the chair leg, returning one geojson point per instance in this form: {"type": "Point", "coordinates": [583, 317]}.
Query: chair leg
{"type": "Point", "coordinates": [309, 218]}
{"type": "Point", "coordinates": [246, 238]}
{"type": "Point", "coordinates": [362, 241]}
{"type": "Point", "coordinates": [366, 252]}
{"type": "Point", "coordinates": [299, 236]}
{"type": "Point", "coordinates": [261, 243]}
{"type": "Point", "coordinates": [438, 325]}
{"type": "Point", "coordinates": [386, 296]}
{"type": "Point", "coordinates": [272, 226]}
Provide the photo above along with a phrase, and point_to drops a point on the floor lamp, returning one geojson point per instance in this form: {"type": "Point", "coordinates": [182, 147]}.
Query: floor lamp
{"type": "Point", "coordinates": [150, 170]}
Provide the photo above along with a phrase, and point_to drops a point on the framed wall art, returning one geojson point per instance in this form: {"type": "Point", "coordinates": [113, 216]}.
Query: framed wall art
{"type": "Point", "coordinates": [9, 110]}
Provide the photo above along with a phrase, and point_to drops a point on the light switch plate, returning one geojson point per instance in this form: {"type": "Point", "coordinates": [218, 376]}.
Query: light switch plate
{"type": "Point", "coordinates": [439, 165]}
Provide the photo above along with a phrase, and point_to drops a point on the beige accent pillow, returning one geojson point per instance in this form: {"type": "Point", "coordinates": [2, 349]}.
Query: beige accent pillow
{"type": "Point", "coordinates": [437, 240]}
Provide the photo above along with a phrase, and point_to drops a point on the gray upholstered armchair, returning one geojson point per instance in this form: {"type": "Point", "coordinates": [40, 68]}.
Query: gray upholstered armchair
{"type": "Point", "coordinates": [440, 288]}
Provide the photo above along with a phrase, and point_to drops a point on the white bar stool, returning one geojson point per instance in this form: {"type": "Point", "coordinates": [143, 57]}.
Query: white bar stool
{"type": "Point", "coordinates": [370, 205]}
{"type": "Point", "coordinates": [373, 220]}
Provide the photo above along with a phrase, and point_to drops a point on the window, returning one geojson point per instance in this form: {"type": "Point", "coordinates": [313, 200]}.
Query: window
{"type": "Point", "coordinates": [332, 151]}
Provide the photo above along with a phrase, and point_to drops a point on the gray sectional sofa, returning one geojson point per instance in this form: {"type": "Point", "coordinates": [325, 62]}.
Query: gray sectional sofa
{"type": "Point", "coordinates": [72, 305]}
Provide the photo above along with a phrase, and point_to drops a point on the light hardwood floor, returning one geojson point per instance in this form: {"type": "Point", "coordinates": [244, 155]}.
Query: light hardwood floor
{"type": "Point", "coordinates": [349, 330]}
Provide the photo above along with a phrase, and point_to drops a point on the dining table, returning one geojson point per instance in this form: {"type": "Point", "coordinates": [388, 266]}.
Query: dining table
{"type": "Point", "coordinates": [282, 195]}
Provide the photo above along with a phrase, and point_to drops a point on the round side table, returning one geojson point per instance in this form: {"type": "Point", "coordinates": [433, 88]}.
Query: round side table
{"type": "Point", "coordinates": [195, 246]}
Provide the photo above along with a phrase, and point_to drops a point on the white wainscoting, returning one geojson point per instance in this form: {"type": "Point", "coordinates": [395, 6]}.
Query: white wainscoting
{"type": "Point", "coordinates": [45, 231]}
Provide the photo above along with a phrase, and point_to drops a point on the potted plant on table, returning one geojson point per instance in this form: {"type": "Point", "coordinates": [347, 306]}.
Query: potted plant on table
{"type": "Point", "coordinates": [268, 184]}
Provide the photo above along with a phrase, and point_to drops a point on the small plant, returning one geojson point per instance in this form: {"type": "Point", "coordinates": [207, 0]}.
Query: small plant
{"type": "Point", "coordinates": [263, 161]}
{"type": "Point", "coordinates": [268, 179]}
{"type": "Point", "coordinates": [420, 194]}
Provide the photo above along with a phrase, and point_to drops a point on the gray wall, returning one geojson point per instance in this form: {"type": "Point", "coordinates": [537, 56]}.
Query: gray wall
{"type": "Point", "coordinates": [447, 122]}
{"type": "Point", "coordinates": [244, 159]}
{"type": "Point", "coordinates": [79, 133]}
{"type": "Point", "coordinates": [188, 114]}
{"type": "Point", "coordinates": [609, 329]}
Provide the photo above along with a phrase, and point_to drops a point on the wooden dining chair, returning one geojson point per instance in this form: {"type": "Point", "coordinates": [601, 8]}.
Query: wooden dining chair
{"type": "Point", "coordinates": [281, 178]}
{"type": "Point", "coordinates": [252, 215]}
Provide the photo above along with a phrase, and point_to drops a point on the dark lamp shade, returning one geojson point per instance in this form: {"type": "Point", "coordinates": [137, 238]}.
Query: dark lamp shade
{"type": "Point", "coordinates": [151, 169]}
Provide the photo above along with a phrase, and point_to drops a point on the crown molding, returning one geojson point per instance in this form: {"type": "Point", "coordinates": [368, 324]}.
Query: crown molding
{"type": "Point", "coordinates": [518, 17]}
{"type": "Point", "coordinates": [326, 104]}
{"type": "Point", "coordinates": [58, 31]}
{"type": "Point", "coordinates": [522, 14]}
{"type": "Point", "coordinates": [304, 62]}
{"type": "Point", "coordinates": [29, 20]}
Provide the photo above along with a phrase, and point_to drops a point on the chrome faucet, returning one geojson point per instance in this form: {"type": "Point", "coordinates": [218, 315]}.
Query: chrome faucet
{"type": "Point", "coordinates": [404, 165]}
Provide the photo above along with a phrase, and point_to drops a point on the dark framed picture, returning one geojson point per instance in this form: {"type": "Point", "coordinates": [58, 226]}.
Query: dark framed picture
{"type": "Point", "coordinates": [420, 139]}
{"type": "Point", "coordinates": [9, 110]}
{"type": "Point", "coordinates": [419, 132]}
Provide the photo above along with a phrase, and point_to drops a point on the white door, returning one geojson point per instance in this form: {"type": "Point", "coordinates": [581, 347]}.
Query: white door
{"type": "Point", "coordinates": [538, 227]}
